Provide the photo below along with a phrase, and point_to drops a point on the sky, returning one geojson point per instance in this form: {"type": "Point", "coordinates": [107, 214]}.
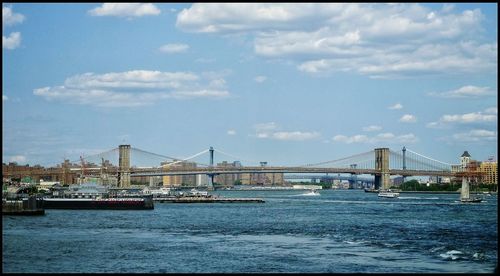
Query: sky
{"type": "Point", "coordinates": [289, 84]}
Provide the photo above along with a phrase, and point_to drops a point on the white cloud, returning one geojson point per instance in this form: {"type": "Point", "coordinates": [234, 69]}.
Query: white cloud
{"type": "Point", "coordinates": [174, 48]}
{"type": "Point", "coordinates": [467, 118]}
{"type": "Point", "coordinates": [265, 127]}
{"type": "Point", "coordinates": [205, 60]}
{"type": "Point", "coordinates": [10, 18]}
{"type": "Point", "coordinates": [20, 159]}
{"type": "Point", "coordinates": [231, 132]}
{"type": "Point", "coordinates": [381, 41]}
{"type": "Point", "coordinates": [372, 128]}
{"type": "Point", "coordinates": [214, 94]}
{"type": "Point", "coordinates": [4, 98]}
{"type": "Point", "coordinates": [491, 110]}
{"type": "Point", "coordinates": [379, 138]}
{"type": "Point", "coordinates": [12, 41]}
{"type": "Point", "coordinates": [125, 10]}
{"type": "Point", "coordinates": [396, 106]}
{"type": "Point", "coordinates": [270, 131]}
{"type": "Point", "coordinates": [476, 135]}
{"type": "Point", "coordinates": [134, 88]}
{"type": "Point", "coordinates": [408, 118]}
{"type": "Point", "coordinates": [295, 135]}
{"type": "Point", "coordinates": [468, 91]}
{"type": "Point", "coordinates": [352, 139]}
{"type": "Point", "coordinates": [260, 79]}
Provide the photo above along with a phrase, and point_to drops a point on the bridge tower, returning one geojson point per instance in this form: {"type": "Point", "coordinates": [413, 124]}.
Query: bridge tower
{"type": "Point", "coordinates": [211, 175]}
{"type": "Point", "coordinates": [353, 180]}
{"type": "Point", "coordinates": [404, 162]}
{"type": "Point", "coordinates": [124, 166]}
{"type": "Point", "coordinates": [382, 179]}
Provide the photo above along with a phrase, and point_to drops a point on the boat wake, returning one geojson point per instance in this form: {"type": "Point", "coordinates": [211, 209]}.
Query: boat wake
{"type": "Point", "coordinates": [415, 197]}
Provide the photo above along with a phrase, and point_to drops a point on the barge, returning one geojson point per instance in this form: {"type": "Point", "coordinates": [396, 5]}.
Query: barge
{"type": "Point", "coordinates": [142, 203]}
{"type": "Point", "coordinates": [201, 199]}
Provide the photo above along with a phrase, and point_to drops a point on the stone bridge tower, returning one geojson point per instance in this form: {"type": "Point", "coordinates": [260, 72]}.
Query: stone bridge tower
{"type": "Point", "coordinates": [124, 166]}
{"type": "Point", "coordinates": [382, 179]}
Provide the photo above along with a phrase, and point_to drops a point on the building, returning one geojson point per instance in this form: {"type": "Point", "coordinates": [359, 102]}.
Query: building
{"type": "Point", "coordinates": [465, 159]}
{"type": "Point", "coordinates": [261, 178]}
{"type": "Point", "coordinates": [179, 180]}
{"type": "Point", "coordinates": [227, 180]}
{"type": "Point", "coordinates": [490, 171]}
{"type": "Point", "coordinates": [15, 173]}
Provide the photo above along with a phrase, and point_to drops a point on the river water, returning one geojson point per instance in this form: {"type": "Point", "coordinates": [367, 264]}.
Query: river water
{"type": "Point", "coordinates": [344, 231]}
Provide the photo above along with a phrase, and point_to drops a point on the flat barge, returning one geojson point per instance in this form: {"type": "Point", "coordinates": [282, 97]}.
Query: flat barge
{"type": "Point", "coordinates": [145, 203]}
{"type": "Point", "coordinates": [194, 199]}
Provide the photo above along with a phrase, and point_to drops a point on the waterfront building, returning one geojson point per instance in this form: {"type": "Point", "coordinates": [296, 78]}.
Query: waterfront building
{"type": "Point", "coordinates": [490, 171]}
{"type": "Point", "coordinates": [179, 180]}
{"type": "Point", "coordinates": [456, 168]}
{"type": "Point", "coordinates": [465, 159]}
{"type": "Point", "coordinates": [227, 180]}
{"type": "Point", "coordinates": [201, 180]}
{"type": "Point", "coordinates": [261, 178]}
{"type": "Point", "coordinates": [16, 173]}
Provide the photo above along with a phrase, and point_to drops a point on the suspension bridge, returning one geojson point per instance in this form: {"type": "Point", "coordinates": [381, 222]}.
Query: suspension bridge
{"type": "Point", "coordinates": [380, 162]}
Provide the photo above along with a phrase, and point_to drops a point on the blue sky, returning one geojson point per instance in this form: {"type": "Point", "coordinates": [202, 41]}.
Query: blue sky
{"type": "Point", "coordinates": [289, 84]}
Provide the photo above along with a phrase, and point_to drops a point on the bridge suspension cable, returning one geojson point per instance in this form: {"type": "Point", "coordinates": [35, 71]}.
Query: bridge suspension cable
{"type": "Point", "coordinates": [97, 157]}
{"type": "Point", "coordinates": [154, 154]}
{"type": "Point", "coordinates": [444, 163]}
{"type": "Point", "coordinates": [415, 161]}
{"type": "Point", "coordinates": [178, 160]}
{"type": "Point", "coordinates": [349, 158]}
{"type": "Point", "coordinates": [236, 157]}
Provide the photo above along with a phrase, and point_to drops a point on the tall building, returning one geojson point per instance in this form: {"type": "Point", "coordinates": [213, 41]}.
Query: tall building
{"type": "Point", "coordinates": [490, 172]}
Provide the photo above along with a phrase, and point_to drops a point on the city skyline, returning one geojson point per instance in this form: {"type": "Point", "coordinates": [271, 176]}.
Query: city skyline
{"type": "Point", "coordinates": [284, 83]}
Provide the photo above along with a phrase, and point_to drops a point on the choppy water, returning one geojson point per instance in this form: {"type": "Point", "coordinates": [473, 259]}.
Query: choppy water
{"type": "Point", "coordinates": [338, 231]}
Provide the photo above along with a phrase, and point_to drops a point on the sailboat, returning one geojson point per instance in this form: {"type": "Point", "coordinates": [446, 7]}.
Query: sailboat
{"type": "Point", "coordinates": [465, 193]}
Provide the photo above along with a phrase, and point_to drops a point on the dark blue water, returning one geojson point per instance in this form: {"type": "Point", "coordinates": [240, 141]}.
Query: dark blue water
{"type": "Point", "coordinates": [338, 231]}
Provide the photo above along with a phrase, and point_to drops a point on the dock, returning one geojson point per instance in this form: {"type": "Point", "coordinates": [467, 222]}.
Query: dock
{"type": "Point", "coordinates": [194, 199]}
{"type": "Point", "coordinates": [31, 206]}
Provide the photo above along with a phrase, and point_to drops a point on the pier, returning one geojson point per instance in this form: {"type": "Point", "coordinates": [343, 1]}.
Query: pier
{"type": "Point", "coordinates": [193, 199]}
{"type": "Point", "coordinates": [31, 206]}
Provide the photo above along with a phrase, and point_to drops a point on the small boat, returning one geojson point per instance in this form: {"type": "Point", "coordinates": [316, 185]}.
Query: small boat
{"type": "Point", "coordinates": [313, 192]}
{"type": "Point", "coordinates": [471, 200]}
{"type": "Point", "coordinates": [371, 190]}
{"type": "Point", "coordinates": [388, 193]}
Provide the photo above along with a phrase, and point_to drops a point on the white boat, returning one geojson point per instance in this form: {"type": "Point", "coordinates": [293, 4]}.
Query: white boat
{"type": "Point", "coordinates": [195, 192]}
{"type": "Point", "coordinates": [388, 193]}
{"type": "Point", "coordinates": [465, 196]}
{"type": "Point", "coordinates": [313, 192]}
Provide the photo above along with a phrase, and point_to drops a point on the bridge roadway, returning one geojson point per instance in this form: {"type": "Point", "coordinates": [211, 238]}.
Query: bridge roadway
{"type": "Point", "coordinates": [231, 170]}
